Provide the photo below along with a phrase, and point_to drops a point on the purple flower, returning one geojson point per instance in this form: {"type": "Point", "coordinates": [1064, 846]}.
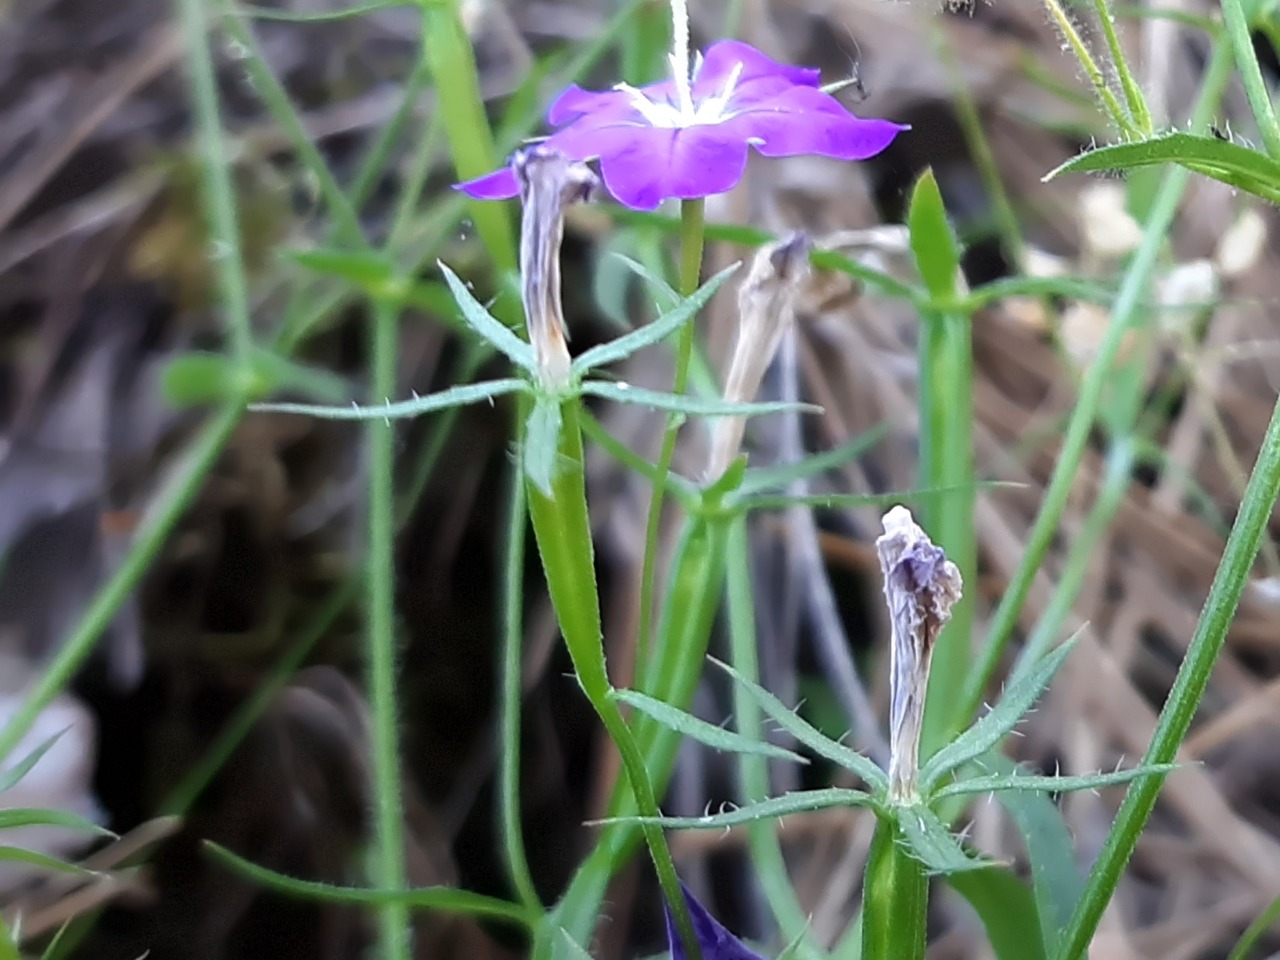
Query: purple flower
{"type": "Point", "coordinates": [689, 138]}
{"type": "Point", "coordinates": [717, 942]}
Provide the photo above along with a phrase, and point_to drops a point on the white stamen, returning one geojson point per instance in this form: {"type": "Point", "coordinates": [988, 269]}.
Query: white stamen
{"type": "Point", "coordinates": [680, 54]}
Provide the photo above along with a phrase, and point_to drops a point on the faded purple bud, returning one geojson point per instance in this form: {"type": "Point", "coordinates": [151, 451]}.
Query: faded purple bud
{"type": "Point", "coordinates": [920, 587]}
{"type": "Point", "coordinates": [549, 183]}
{"type": "Point", "coordinates": [717, 943]}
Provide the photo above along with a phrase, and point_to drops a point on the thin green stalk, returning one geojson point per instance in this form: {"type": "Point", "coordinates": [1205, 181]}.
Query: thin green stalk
{"type": "Point", "coordinates": [1255, 86]}
{"type": "Point", "coordinates": [389, 861]}
{"type": "Point", "coordinates": [218, 194]}
{"type": "Point", "coordinates": [162, 515]}
{"type": "Point", "coordinates": [692, 232]}
{"type": "Point", "coordinates": [1125, 314]}
{"type": "Point", "coordinates": [753, 771]}
{"type": "Point", "coordinates": [562, 527]}
{"type": "Point", "coordinates": [1188, 689]}
{"type": "Point", "coordinates": [946, 461]}
{"type": "Point", "coordinates": [276, 99]}
{"type": "Point", "coordinates": [1091, 68]}
{"type": "Point", "coordinates": [1139, 112]}
{"type": "Point", "coordinates": [512, 694]}
{"type": "Point", "coordinates": [465, 123]}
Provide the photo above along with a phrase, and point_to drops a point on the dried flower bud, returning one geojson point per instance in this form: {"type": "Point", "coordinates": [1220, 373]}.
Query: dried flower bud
{"type": "Point", "coordinates": [766, 308]}
{"type": "Point", "coordinates": [920, 587]}
{"type": "Point", "coordinates": [548, 185]}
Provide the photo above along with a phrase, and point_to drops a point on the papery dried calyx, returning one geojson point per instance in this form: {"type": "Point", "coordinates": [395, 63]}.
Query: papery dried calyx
{"type": "Point", "coordinates": [920, 587]}
{"type": "Point", "coordinates": [549, 183]}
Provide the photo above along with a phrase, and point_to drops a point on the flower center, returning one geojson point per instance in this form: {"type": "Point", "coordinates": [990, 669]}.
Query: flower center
{"type": "Point", "coordinates": [686, 112]}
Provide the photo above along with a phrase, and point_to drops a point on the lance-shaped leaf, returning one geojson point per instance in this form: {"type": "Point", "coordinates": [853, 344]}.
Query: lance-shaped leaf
{"type": "Point", "coordinates": [1018, 698]}
{"type": "Point", "coordinates": [697, 729]}
{"type": "Point", "coordinates": [686, 403]}
{"type": "Point", "coordinates": [651, 333]}
{"type": "Point", "coordinates": [802, 801]}
{"type": "Point", "coordinates": [453, 397]}
{"type": "Point", "coordinates": [39, 817]}
{"type": "Point", "coordinates": [11, 777]}
{"type": "Point", "coordinates": [1240, 167]}
{"type": "Point", "coordinates": [1007, 908]}
{"type": "Point", "coordinates": [930, 842]}
{"type": "Point", "coordinates": [542, 443]}
{"type": "Point", "coordinates": [783, 475]}
{"type": "Point", "coordinates": [788, 720]}
{"type": "Point", "coordinates": [997, 782]}
{"type": "Point", "coordinates": [486, 325]}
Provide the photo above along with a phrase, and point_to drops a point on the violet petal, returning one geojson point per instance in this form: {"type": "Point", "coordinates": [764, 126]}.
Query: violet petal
{"type": "Point", "coordinates": [499, 185]}
{"type": "Point", "coordinates": [576, 103]}
{"type": "Point", "coordinates": [723, 58]}
{"type": "Point", "coordinates": [717, 942]}
{"type": "Point", "coordinates": [642, 166]}
{"type": "Point", "coordinates": [802, 120]}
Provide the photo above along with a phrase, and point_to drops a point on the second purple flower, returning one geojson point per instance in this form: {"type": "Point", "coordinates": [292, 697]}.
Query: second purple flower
{"type": "Point", "coordinates": [689, 139]}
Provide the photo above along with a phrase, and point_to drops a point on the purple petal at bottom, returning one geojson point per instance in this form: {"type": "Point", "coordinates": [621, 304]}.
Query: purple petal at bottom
{"type": "Point", "coordinates": [717, 943]}
{"type": "Point", "coordinates": [499, 185]}
{"type": "Point", "coordinates": [642, 166]}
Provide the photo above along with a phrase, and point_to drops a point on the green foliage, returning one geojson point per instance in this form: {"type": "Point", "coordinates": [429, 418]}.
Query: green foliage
{"type": "Point", "coordinates": [1248, 170]}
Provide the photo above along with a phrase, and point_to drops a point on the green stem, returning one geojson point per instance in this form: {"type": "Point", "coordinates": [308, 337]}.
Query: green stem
{"type": "Point", "coordinates": [946, 461]}
{"type": "Point", "coordinates": [162, 515]}
{"type": "Point", "coordinates": [762, 836]}
{"type": "Point", "coordinates": [895, 897]}
{"type": "Point", "coordinates": [466, 125]}
{"type": "Point", "coordinates": [1188, 689]}
{"type": "Point", "coordinates": [692, 233]}
{"type": "Point", "coordinates": [562, 528]}
{"type": "Point", "coordinates": [1138, 110]}
{"type": "Point", "coordinates": [389, 865]}
{"type": "Point", "coordinates": [1096, 77]}
{"type": "Point", "coordinates": [1126, 311]}
{"type": "Point", "coordinates": [218, 195]}
{"type": "Point", "coordinates": [1255, 86]}
{"type": "Point", "coordinates": [512, 699]}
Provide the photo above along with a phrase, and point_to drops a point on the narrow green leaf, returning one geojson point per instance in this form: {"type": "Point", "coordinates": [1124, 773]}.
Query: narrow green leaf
{"type": "Point", "coordinates": [198, 378]}
{"type": "Point", "coordinates": [651, 333]}
{"type": "Point", "coordinates": [932, 241]}
{"type": "Point", "coordinates": [837, 753]}
{"type": "Point", "coordinates": [656, 283]}
{"type": "Point", "coordinates": [365, 268]}
{"type": "Point", "coordinates": [1007, 909]}
{"type": "Point", "coordinates": [1253, 934]}
{"type": "Point", "coordinates": [542, 443]}
{"type": "Point", "coordinates": [1055, 879]}
{"type": "Point", "coordinates": [444, 899]}
{"type": "Point", "coordinates": [1003, 717]}
{"type": "Point", "coordinates": [14, 817]}
{"type": "Point", "coordinates": [34, 859]}
{"type": "Point", "coordinates": [776, 477]}
{"type": "Point", "coordinates": [13, 776]}
{"type": "Point", "coordinates": [484, 323]}
{"type": "Point", "coordinates": [1240, 167]}
{"type": "Point", "coordinates": [564, 947]}
{"type": "Point", "coordinates": [453, 397]}
{"type": "Point", "coordinates": [687, 404]}
{"type": "Point", "coordinates": [831, 501]}
{"type": "Point", "coordinates": [803, 801]}
{"type": "Point", "coordinates": [8, 946]}
{"type": "Point", "coordinates": [997, 782]}
{"type": "Point", "coordinates": [290, 16]}
{"type": "Point", "coordinates": [694, 728]}
{"type": "Point", "coordinates": [930, 842]}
